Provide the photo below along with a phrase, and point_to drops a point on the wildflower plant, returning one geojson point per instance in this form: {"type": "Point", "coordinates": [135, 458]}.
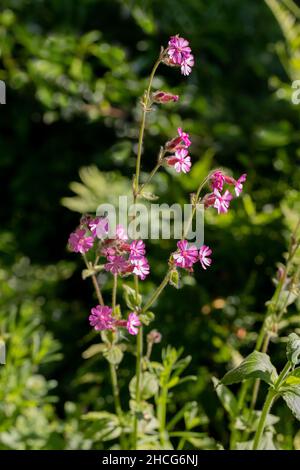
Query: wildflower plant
{"type": "Point", "coordinates": [144, 423]}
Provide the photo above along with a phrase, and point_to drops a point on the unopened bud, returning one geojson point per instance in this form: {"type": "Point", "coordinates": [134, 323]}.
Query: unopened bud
{"type": "Point", "coordinates": [164, 97]}
{"type": "Point", "coordinates": [154, 337]}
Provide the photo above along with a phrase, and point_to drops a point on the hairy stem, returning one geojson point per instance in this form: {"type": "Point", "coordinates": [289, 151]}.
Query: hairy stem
{"type": "Point", "coordinates": [157, 292]}
{"type": "Point", "coordinates": [268, 405]}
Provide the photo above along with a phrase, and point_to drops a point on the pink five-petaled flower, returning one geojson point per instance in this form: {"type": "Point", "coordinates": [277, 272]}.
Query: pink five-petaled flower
{"type": "Point", "coordinates": [239, 184]}
{"type": "Point", "coordinates": [184, 137]}
{"type": "Point", "coordinates": [222, 201]}
{"type": "Point", "coordinates": [137, 249]}
{"type": "Point", "coordinates": [164, 97]}
{"type": "Point", "coordinates": [186, 255]}
{"type": "Point", "coordinates": [178, 49]}
{"type": "Point", "coordinates": [116, 264]}
{"type": "Point", "coordinates": [121, 233]}
{"type": "Point", "coordinates": [133, 322]}
{"type": "Point", "coordinates": [204, 254]}
{"type": "Point", "coordinates": [140, 267]}
{"type": "Point", "coordinates": [187, 64]}
{"type": "Point", "coordinates": [101, 318]}
{"type": "Point", "coordinates": [217, 180]}
{"type": "Point", "coordinates": [181, 161]}
{"type": "Point", "coordinates": [79, 243]}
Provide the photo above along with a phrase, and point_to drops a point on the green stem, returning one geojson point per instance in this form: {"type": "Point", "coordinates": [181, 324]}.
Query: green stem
{"type": "Point", "coordinates": [268, 405]}
{"type": "Point", "coordinates": [95, 282]}
{"type": "Point", "coordinates": [157, 166]}
{"type": "Point", "coordinates": [157, 292]}
{"type": "Point", "coordinates": [162, 414]}
{"type": "Point", "coordinates": [142, 127]}
{"type": "Point", "coordinates": [114, 293]}
{"type": "Point", "coordinates": [190, 221]}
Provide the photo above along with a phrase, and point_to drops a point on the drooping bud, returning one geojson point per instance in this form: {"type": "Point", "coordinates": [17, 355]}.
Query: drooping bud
{"type": "Point", "coordinates": [164, 97]}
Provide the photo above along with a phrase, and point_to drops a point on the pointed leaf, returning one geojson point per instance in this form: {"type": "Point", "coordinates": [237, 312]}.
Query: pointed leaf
{"type": "Point", "coordinates": [257, 365]}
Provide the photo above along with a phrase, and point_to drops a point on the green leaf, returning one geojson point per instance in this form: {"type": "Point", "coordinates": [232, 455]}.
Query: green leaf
{"type": "Point", "coordinates": [114, 354]}
{"type": "Point", "coordinates": [293, 349]}
{"type": "Point", "coordinates": [226, 397]}
{"type": "Point", "coordinates": [149, 386]}
{"type": "Point", "coordinates": [149, 196]}
{"type": "Point", "coordinates": [257, 365]}
{"type": "Point", "coordinates": [291, 396]}
{"type": "Point", "coordinates": [132, 298]}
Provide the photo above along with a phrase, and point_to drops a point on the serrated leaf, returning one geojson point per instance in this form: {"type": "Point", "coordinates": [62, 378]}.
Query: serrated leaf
{"type": "Point", "coordinates": [257, 365]}
{"type": "Point", "coordinates": [226, 397]}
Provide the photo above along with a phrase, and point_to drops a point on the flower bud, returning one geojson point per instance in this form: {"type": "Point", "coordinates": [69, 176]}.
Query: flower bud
{"type": "Point", "coordinates": [154, 337]}
{"type": "Point", "coordinates": [164, 97]}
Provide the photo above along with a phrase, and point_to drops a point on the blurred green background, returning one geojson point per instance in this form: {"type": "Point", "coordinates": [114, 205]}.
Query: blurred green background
{"type": "Point", "coordinates": [74, 72]}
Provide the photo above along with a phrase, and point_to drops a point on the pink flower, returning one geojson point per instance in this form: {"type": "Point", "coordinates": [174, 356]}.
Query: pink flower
{"type": "Point", "coordinates": [79, 243]}
{"type": "Point", "coordinates": [140, 267]}
{"type": "Point", "coordinates": [116, 264]}
{"type": "Point", "coordinates": [133, 323]}
{"type": "Point", "coordinates": [222, 201]}
{"type": "Point", "coordinates": [164, 97]}
{"type": "Point", "coordinates": [217, 180]}
{"type": "Point", "coordinates": [101, 228]}
{"type": "Point", "coordinates": [239, 184]}
{"type": "Point", "coordinates": [121, 233]}
{"type": "Point", "coordinates": [101, 318]}
{"type": "Point", "coordinates": [186, 256]}
{"type": "Point", "coordinates": [204, 254]}
{"type": "Point", "coordinates": [137, 249]}
{"type": "Point", "coordinates": [187, 64]}
{"type": "Point", "coordinates": [184, 137]}
{"type": "Point", "coordinates": [181, 161]}
{"type": "Point", "coordinates": [178, 49]}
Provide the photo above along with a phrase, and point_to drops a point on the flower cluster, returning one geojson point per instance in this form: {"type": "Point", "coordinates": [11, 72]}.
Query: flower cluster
{"type": "Point", "coordinates": [186, 256]}
{"type": "Point", "coordinates": [101, 318]}
{"type": "Point", "coordinates": [180, 160]}
{"type": "Point", "coordinates": [122, 258]}
{"type": "Point", "coordinates": [218, 200]}
{"type": "Point", "coordinates": [179, 54]}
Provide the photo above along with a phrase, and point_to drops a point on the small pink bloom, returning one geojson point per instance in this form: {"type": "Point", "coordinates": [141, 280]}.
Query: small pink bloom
{"type": "Point", "coordinates": [186, 255]}
{"type": "Point", "coordinates": [163, 97]}
{"type": "Point", "coordinates": [133, 323]}
{"type": "Point", "coordinates": [121, 233]}
{"type": "Point", "coordinates": [116, 264]}
{"type": "Point", "coordinates": [140, 267]}
{"type": "Point", "coordinates": [222, 201]}
{"type": "Point", "coordinates": [187, 64]}
{"type": "Point", "coordinates": [101, 318]}
{"type": "Point", "coordinates": [178, 49]}
{"type": "Point", "coordinates": [79, 243]}
{"type": "Point", "coordinates": [184, 137]}
{"type": "Point", "coordinates": [204, 254]}
{"type": "Point", "coordinates": [217, 180]}
{"type": "Point", "coordinates": [181, 161]}
{"type": "Point", "coordinates": [239, 184]}
{"type": "Point", "coordinates": [137, 249]}
{"type": "Point", "coordinates": [101, 228]}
